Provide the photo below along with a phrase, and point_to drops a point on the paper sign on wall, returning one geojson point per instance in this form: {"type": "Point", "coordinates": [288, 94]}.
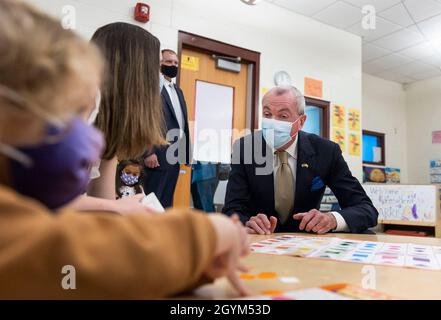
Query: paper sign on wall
{"type": "Point", "coordinates": [436, 137]}
{"type": "Point", "coordinates": [377, 153]}
{"type": "Point", "coordinates": [338, 116]}
{"type": "Point", "coordinates": [374, 174]}
{"type": "Point", "coordinates": [354, 119]}
{"type": "Point", "coordinates": [339, 137]}
{"type": "Point", "coordinates": [190, 63]}
{"type": "Point", "coordinates": [404, 202]}
{"type": "Point", "coordinates": [313, 87]}
{"type": "Point", "coordinates": [435, 171]}
{"type": "Point", "coordinates": [393, 175]}
{"type": "Point", "coordinates": [354, 144]}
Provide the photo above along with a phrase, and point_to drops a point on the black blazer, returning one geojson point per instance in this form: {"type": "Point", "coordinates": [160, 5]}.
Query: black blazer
{"type": "Point", "coordinates": [319, 163]}
{"type": "Point", "coordinates": [171, 122]}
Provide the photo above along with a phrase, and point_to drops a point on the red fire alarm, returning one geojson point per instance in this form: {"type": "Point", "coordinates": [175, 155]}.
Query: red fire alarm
{"type": "Point", "coordinates": [142, 12]}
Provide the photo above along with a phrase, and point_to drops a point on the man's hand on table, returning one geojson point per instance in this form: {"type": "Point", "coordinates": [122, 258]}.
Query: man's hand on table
{"type": "Point", "coordinates": [311, 221]}
{"type": "Point", "coordinates": [316, 221]}
{"type": "Point", "coordinates": [260, 224]}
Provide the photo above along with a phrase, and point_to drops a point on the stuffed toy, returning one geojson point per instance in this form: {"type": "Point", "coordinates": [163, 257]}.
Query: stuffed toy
{"type": "Point", "coordinates": [129, 178]}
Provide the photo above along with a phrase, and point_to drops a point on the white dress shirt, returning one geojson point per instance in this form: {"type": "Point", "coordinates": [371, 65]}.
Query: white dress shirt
{"type": "Point", "coordinates": [292, 162]}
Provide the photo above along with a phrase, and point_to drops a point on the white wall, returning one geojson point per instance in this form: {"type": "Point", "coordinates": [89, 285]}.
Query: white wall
{"type": "Point", "coordinates": [408, 116]}
{"type": "Point", "coordinates": [384, 110]}
{"type": "Point", "coordinates": [287, 41]}
{"type": "Point", "coordinates": [423, 117]}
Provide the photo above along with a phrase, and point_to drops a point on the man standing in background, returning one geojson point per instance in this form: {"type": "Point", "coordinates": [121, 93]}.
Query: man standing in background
{"type": "Point", "coordinates": [161, 174]}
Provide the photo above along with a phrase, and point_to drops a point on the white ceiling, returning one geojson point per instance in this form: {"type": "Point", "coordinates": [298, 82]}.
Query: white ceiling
{"type": "Point", "coordinates": [406, 44]}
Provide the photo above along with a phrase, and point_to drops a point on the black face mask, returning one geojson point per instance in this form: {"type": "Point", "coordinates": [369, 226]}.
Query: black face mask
{"type": "Point", "coordinates": [169, 71]}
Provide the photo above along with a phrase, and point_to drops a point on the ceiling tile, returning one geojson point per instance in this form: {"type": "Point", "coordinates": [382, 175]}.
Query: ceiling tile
{"type": "Point", "coordinates": [419, 51]}
{"type": "Point", "coordinates": [379, 5]}
{"type": "Point", "coordinates": [414, 67]}
{"type": "Point", "coordinates": [397, 49]}
{"type": "Point", "coordinates": [340, 15]}
{"type": "Point", "coordinates": [390, 61]}
{"type": "Point", "coordinates": [371, 52]}
{"type": "Point", "coordinates": [395, 76]}
{"type": "Point", "coordinates": [305, 7]}
{"type": "Point", "coordinates": [372, 68]}
{"type": "Point", "coordinates": [434, 60]}
{"type": "Point", "coordinates": [414, 28]}
{"type": "Point", "coordinates": [427, 74]}
{"type": "Point", "coordinates": [422, 9]}
{"type": "Point", "coordinates": [431, 27]}
{"type": "Point", "coordinates": [382, 29]}
{"type": "Point", "coordinates": [399, 40]}
{"type": "Point", "coordinates": [397, 14]}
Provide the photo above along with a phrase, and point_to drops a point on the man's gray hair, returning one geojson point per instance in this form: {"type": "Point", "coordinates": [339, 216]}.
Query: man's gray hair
{"type": "Point", "coordinates": [300, 99]}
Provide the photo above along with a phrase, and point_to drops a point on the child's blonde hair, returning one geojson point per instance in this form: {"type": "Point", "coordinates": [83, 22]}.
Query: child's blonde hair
{"type": "Point", "coordinates": [50, 67]}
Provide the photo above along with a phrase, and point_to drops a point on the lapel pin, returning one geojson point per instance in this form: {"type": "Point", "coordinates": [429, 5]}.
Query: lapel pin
{"type": "Point", "coordinates": [305, 165]}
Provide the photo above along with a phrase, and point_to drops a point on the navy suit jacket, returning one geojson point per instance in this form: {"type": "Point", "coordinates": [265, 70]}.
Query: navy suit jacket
{"type": "Point", "coordinates": [318, 159]}
{"type": "Point", "coordinates": [171, 122]}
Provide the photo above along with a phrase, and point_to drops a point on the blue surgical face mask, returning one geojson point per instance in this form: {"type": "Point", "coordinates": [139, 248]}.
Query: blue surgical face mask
{"type": "Point", "coordinates": [277, 133]}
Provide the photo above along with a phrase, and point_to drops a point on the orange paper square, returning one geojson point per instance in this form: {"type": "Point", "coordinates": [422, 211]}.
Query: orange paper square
{"type": "Point", "coordinates": [313, 87]}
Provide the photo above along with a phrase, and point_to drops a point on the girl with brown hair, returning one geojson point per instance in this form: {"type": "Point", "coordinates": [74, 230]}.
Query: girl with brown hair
{"type": "Point", "coordinates": [129, 112]}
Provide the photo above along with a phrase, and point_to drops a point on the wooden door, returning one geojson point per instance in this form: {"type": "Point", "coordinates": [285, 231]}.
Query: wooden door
{"type": "Point", "coordinates": [205, 70]}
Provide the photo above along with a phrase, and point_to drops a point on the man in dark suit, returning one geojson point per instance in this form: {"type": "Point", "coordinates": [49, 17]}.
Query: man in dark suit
{"type": "Point", "coordinates": [162, 163]}
{"type": "Point", "coordinates": [279, 176]}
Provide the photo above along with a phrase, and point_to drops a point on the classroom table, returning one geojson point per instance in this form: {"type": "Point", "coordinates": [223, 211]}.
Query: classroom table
{"type": "Point", "coordinates": [402, 283]}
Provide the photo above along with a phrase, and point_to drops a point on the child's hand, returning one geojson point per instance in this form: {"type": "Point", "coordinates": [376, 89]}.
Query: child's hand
{"type": "Point", "coordinates": [245, 248]}
{"type": "Point", "coordinates": [231, 245]}
{"type": "Point", "coordinates": [131, 205]}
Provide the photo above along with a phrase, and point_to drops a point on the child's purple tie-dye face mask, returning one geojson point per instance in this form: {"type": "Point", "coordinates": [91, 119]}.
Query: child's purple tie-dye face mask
{"type": "Point", "coordinates": [59, 171]}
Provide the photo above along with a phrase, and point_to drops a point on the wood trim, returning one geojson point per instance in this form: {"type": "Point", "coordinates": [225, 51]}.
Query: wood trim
{"type": "Point", "coordinates": [192, 41]}
{"type": "Point", "coordinates": [326, 107]}
{"type": "Point", "coordinates": [438, 212]}
{"type": "Point", "coordinates": [382, 139]}
{"type": "Point", "coordinates": [408, 223]}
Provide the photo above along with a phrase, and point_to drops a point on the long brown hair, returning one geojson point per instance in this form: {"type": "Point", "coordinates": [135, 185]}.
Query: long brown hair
{"type": "Point", "coordinates": [130, 113]}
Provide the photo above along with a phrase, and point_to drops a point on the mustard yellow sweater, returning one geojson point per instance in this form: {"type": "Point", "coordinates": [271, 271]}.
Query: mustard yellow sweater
{"type": "Point", "coordinates": [115, 257]}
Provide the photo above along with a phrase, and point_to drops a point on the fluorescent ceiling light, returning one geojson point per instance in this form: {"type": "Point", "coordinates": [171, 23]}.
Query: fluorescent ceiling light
{"type": "Point", "coordinates": [251, 2]}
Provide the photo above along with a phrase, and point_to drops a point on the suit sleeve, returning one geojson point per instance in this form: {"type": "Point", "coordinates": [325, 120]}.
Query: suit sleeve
{"type": "Point", "coordinates": [115, 257]}
{"type": "Point", "coordinates": [238, 196]}
{"type": "Point", "coordinates": [356, 207]}
{"type": "Point", "coordinates": [149, 152]}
